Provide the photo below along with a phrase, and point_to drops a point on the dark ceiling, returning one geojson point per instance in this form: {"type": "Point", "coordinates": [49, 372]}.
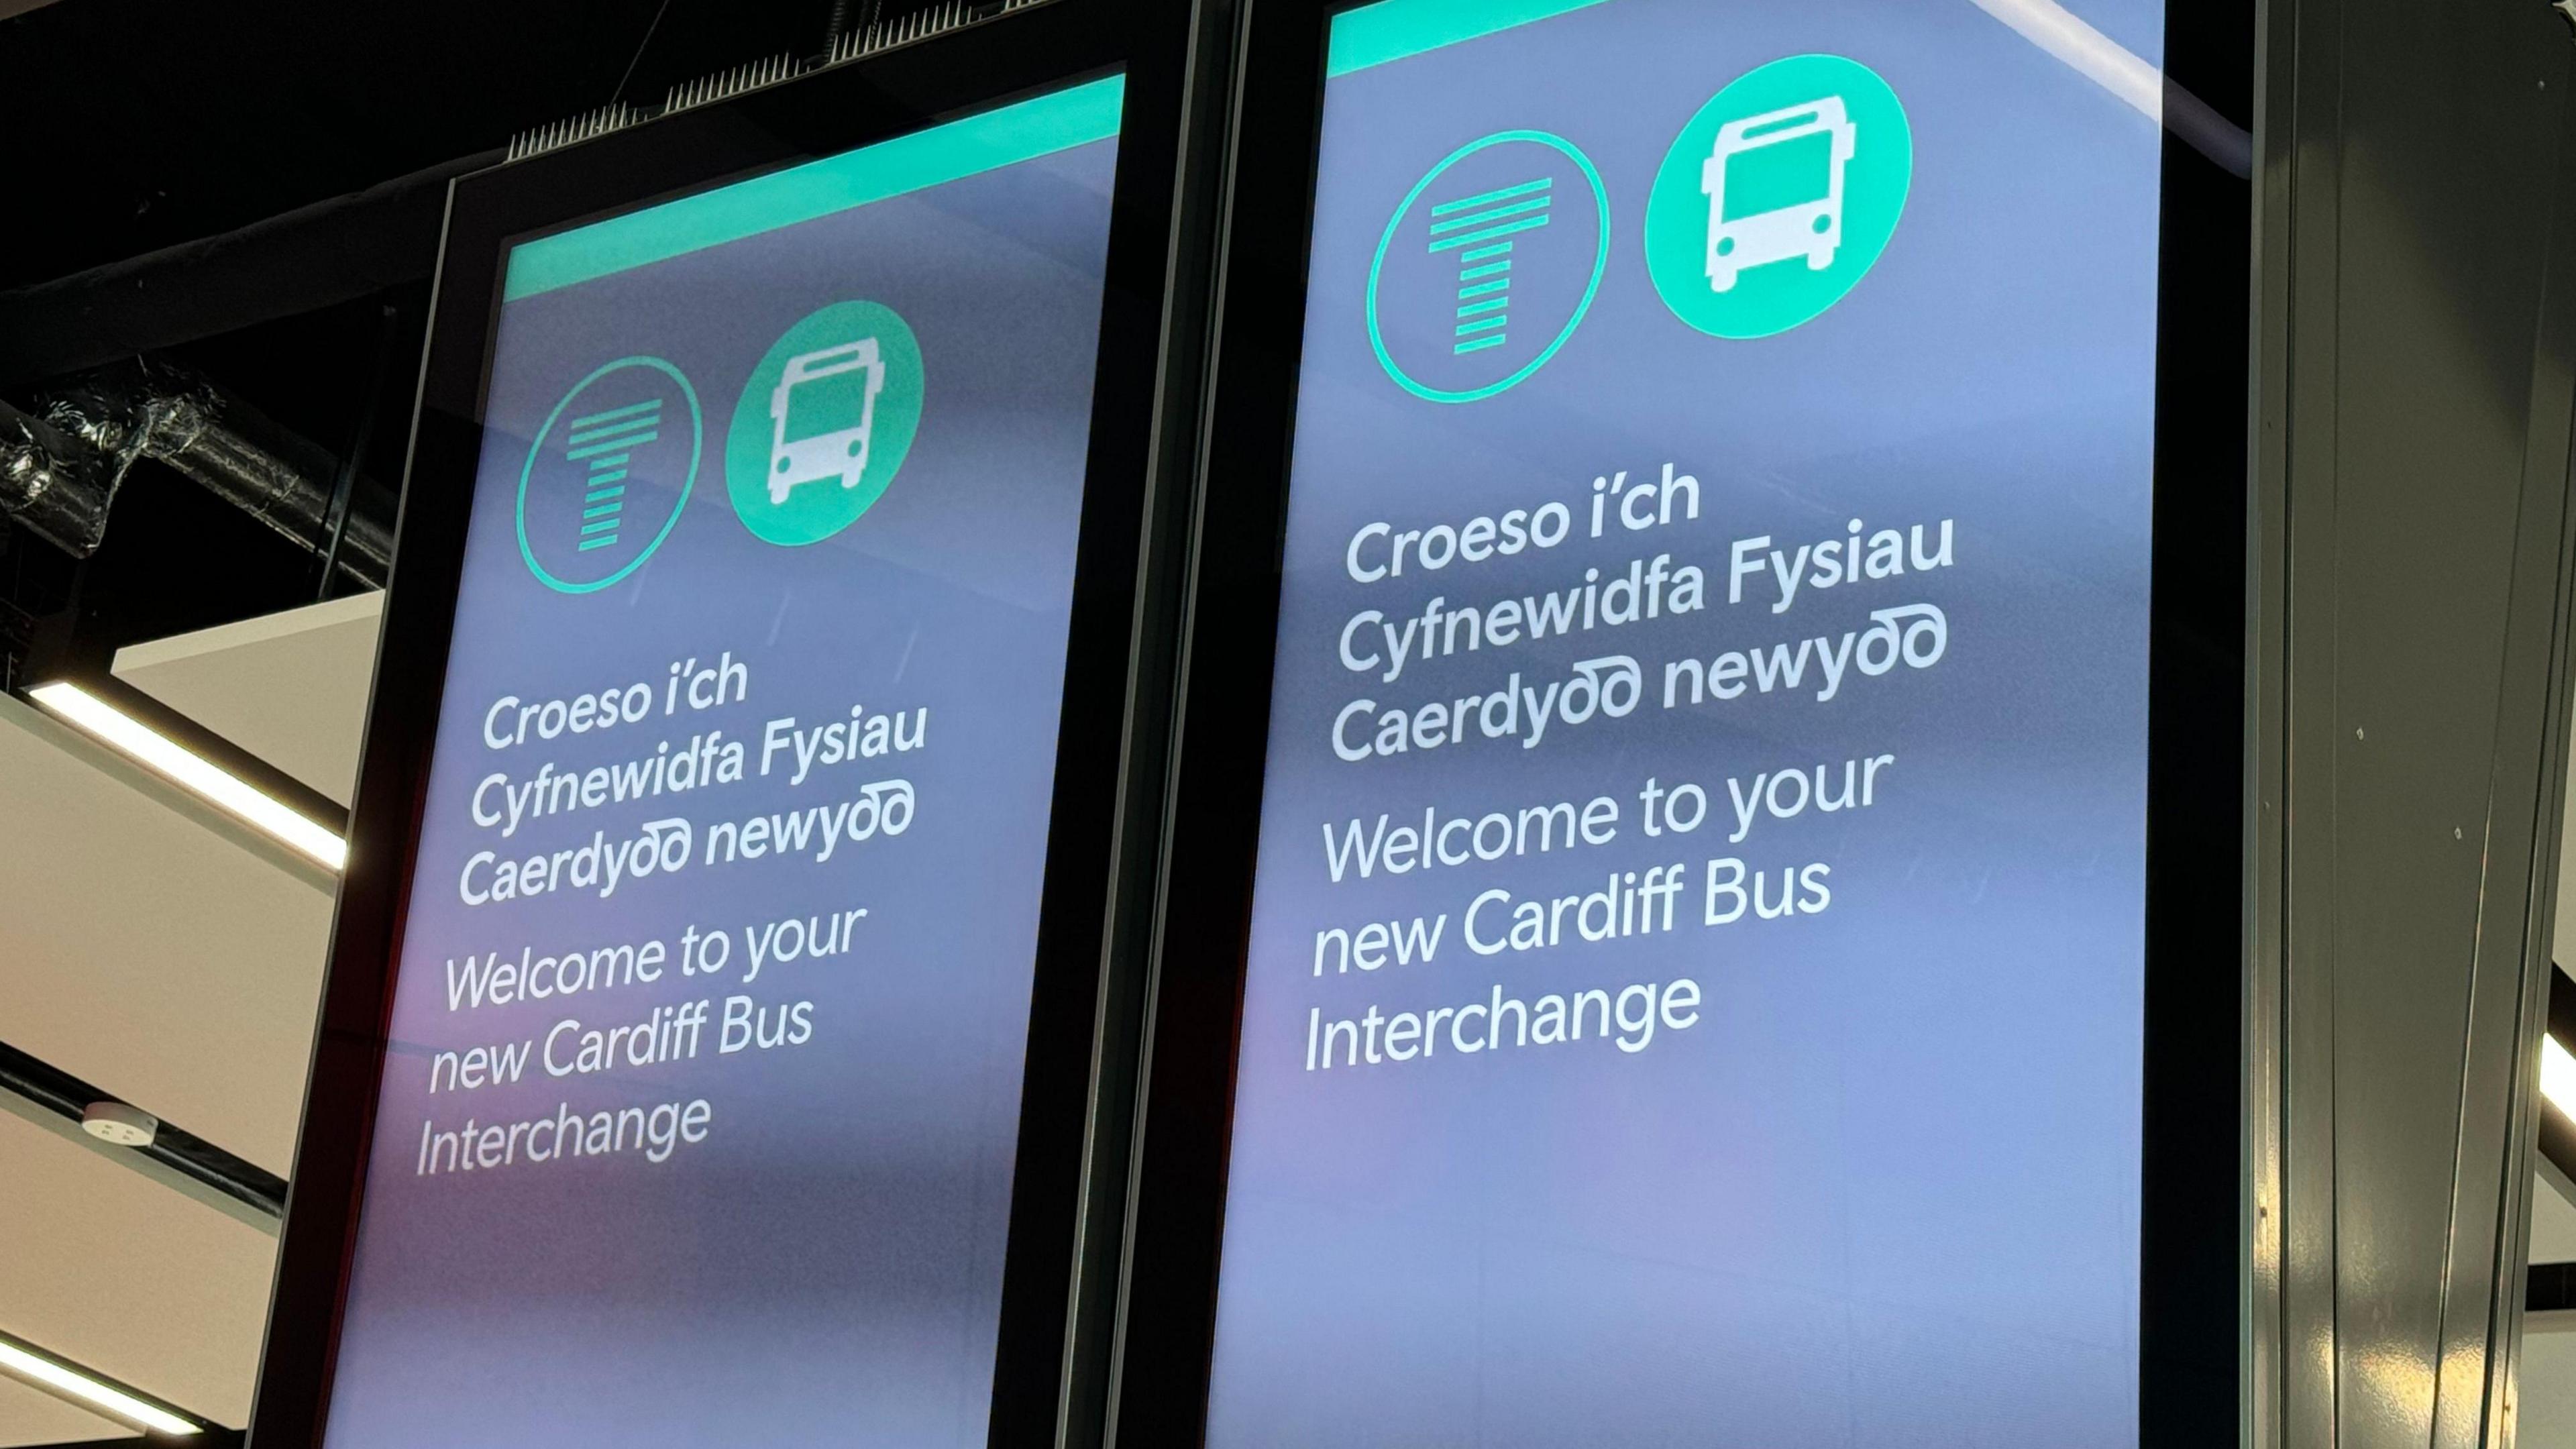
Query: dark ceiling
{"type": "Point", "coordinates": [138, 125]}
{"type": "Point", "coordinates": [144, 123]}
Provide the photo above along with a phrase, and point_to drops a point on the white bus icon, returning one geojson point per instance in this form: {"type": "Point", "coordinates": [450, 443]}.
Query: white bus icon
{"type": "Point", "coordinates": [830, 422]}
{"type": "Point", "coordinates": [1775, 189]}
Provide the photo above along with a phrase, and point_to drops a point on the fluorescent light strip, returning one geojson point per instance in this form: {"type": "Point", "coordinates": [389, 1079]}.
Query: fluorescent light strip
{"type": "Point", "coordinates": [190, 770]}
{"type": "Point", "coordinates": [2558, 1075]}
{"type": "Point", "coordinates": [25, 1365]}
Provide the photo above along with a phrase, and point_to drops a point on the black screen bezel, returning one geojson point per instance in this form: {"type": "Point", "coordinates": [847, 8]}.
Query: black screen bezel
{"type": "Point", "coordinates": [976, 68]}
{"type": "Point", "coordinates": [2190, 1263]}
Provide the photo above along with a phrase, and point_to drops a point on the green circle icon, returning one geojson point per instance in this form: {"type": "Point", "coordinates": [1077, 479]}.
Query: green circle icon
{"type": "Point", "coordinates": [1779, 195]}
{"type": "Point", "coordinates": [1490, 274]}
{"type": "Point", "coordinates": [824, 423]}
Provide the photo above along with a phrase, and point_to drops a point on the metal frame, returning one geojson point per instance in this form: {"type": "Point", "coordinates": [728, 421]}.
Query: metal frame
{"type": "Point", "coordinates": [2190, 1295]}
{"type": "Point", "coordinates": [2189, 1263]}
{"type": "Point", "coordinates": [2406, 727]}
{"type": "Point", "coordinates": [1113, 670]}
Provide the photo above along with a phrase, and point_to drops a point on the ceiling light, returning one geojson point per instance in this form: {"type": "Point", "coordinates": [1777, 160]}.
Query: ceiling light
{"type": "Point", "coordinates": [183, 766]}
{"type": "Point", "coordinates": [39, 1369]}
{"type": "Point", "coordinates": [2558, 1075]}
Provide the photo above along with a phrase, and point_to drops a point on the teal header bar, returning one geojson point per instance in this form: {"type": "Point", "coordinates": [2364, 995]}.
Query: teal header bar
{"type": "Point", "coordinates": [1394, 29]}
{"type": "Point", "coordinates": [997, 138]}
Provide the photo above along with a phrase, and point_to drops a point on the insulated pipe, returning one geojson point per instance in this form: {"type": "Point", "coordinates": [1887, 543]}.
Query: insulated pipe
{"type": "Point", "coordinates": [52, 485]}
{"type": "Point", "coordinates": [148, 409]}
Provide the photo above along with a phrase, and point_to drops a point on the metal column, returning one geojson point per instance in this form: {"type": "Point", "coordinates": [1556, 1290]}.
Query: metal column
{"type": "Point", "coordinates": [2415, 251]}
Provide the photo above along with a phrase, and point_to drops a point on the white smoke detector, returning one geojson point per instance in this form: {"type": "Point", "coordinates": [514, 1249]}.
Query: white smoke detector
{"type": "Point", "coordinates": [118, 1123]}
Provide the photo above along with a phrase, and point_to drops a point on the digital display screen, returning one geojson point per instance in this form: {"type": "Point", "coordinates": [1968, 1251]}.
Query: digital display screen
{"type": "Point", "coordinates": [699, 1118]}
{"type": "Point", "coordinates": [1696, 974]}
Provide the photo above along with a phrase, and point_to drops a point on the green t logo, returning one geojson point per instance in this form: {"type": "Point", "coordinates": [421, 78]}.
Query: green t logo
{"type": "Point", "coordinates": [1778, 197]}
{"type": "Point", "coordinates": [1487, 266]}
{"type": "Point", "coordinates": [608, 475]}
{"type": "Point", "coordinates": [823, 423]}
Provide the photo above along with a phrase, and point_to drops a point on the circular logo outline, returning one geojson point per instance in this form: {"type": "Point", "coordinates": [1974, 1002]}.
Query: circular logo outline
{"type": "Point", "coordinates": [697, 451]}
{"type": "Point", "coordinates": [1600, 266]}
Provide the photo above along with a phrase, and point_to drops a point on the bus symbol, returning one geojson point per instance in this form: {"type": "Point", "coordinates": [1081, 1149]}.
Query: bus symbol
{"type": "Point", "coordinates": [819, 416]}
{"type": "Point", "coordinates": [1775, 189]}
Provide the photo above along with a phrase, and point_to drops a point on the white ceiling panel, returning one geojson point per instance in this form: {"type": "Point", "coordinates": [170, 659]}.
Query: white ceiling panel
{"type": "Point", "coordinates": [152, 946]}
{"type": "Point", "coordinates": [2553, 1225]}
{"type": "Point", "coordinates": [2548, 1398]}
{"type": "Point", "coordinates": [290, 688]}
{"type": "Point", "coordinates": [109, 1269]}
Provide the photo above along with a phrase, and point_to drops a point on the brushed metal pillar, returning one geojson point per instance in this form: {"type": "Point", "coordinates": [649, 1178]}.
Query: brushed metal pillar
{"type": "Point", "coordinates": [2415, 246]}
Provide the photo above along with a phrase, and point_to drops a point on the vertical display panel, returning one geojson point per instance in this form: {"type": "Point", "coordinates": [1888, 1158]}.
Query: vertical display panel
{"type": "Point", "coordinates": [1695, 986]}
{"type": "Point", "coordinates": [699, 1113]}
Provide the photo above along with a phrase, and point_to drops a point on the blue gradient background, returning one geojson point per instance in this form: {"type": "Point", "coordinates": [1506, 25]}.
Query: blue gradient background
{"type": "Point", "coordinates": [1885, 1193]}
{"type": "Point", "coordinates": [826, 1268]}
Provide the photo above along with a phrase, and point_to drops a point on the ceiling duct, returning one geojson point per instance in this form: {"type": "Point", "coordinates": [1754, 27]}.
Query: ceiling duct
{"type": "Point", "coordinates": [60, 471]}
{"type": "Point", "coordinates": [316, 256]}
{"type": "Point", "coordinates": [52, 485]}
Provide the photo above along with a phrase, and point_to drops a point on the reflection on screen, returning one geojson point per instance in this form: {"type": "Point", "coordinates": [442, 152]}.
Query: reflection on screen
{"type": "Point", "coordinates": [1695, 976]}
{"type": "Point", "coordinates": [699, 1116]}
